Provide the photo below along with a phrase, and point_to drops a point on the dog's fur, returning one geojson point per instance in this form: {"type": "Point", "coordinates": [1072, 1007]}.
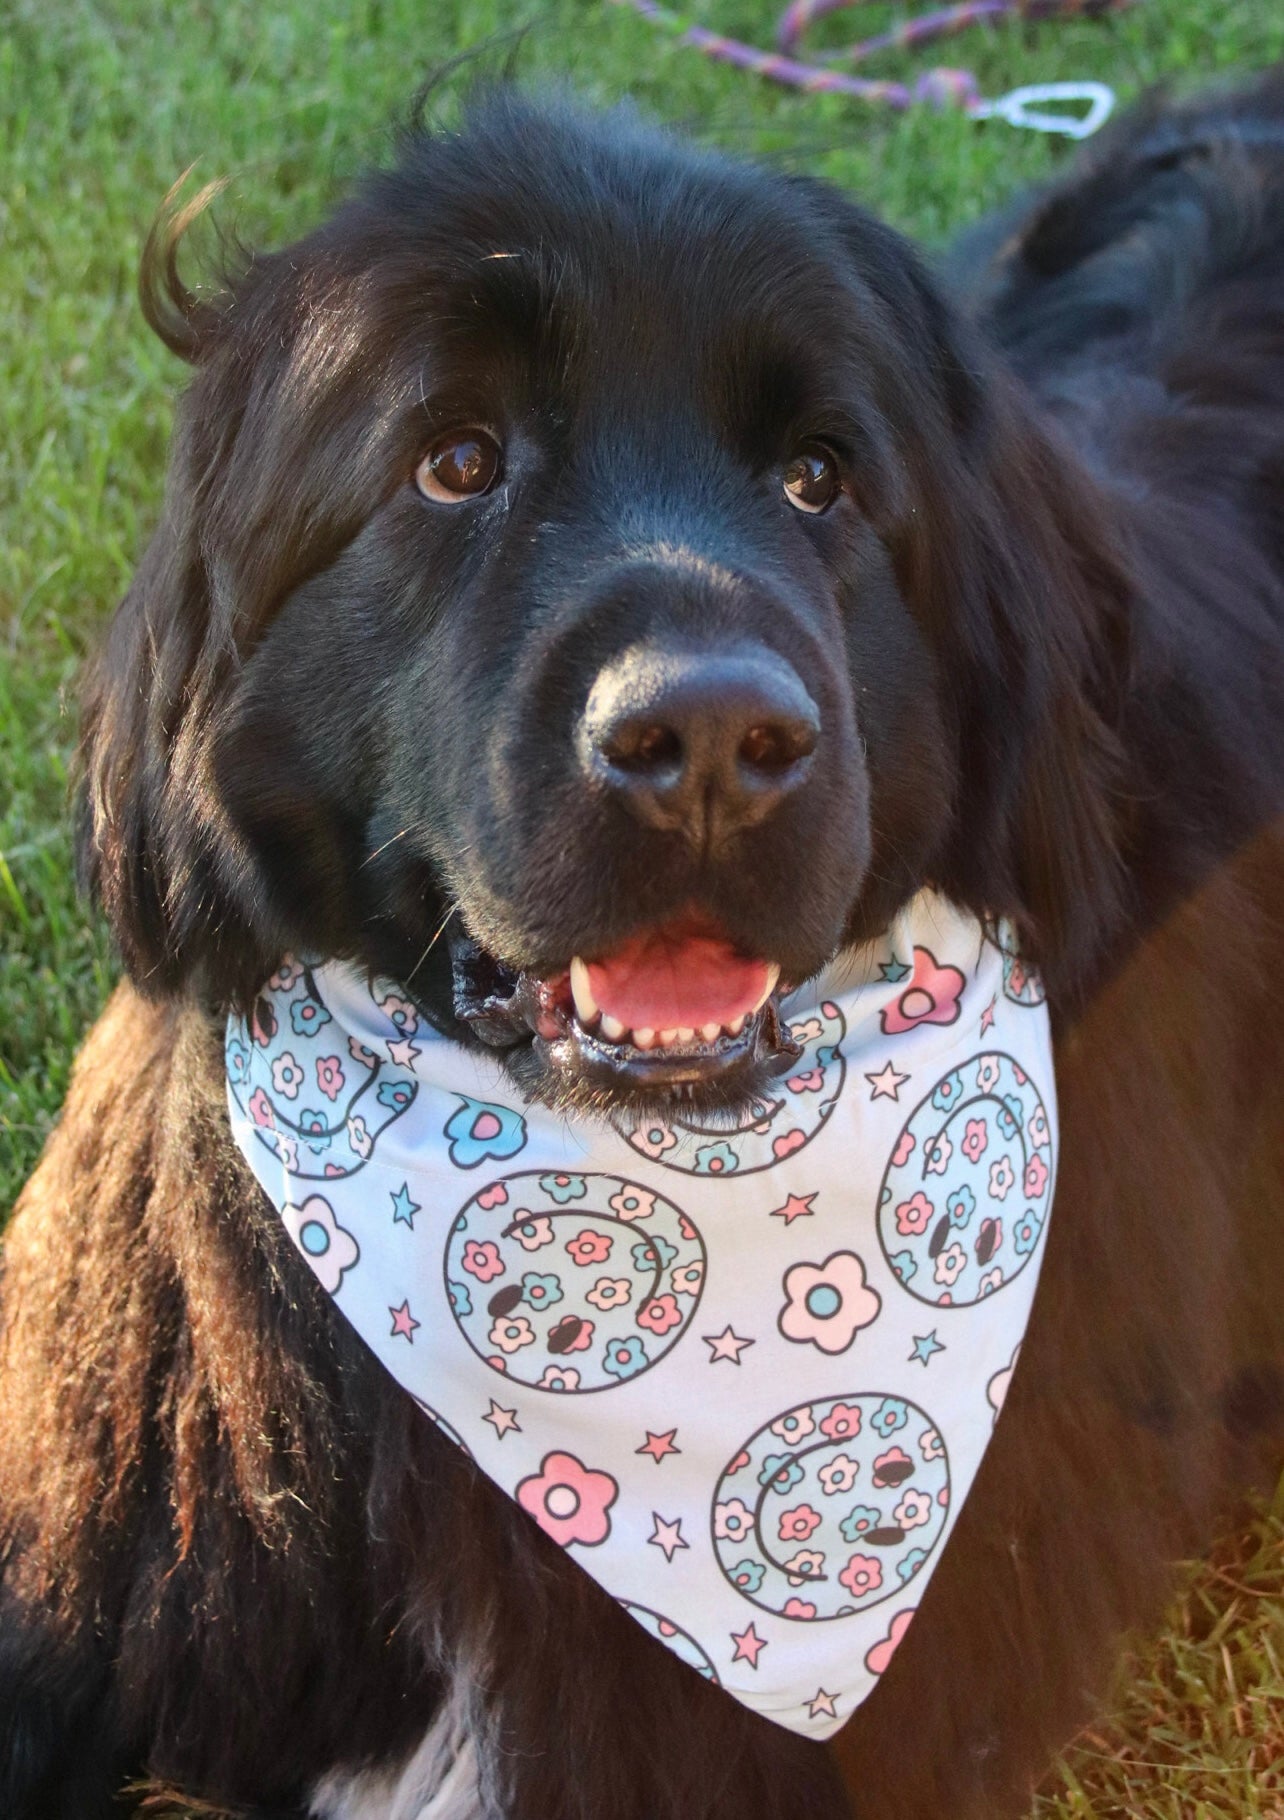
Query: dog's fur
{"type": "Point", "coordinates": [1049, 615]}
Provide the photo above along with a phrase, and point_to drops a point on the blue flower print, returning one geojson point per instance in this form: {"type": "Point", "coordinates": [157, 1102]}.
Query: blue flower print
{"type": "Point", "coordinates": [1011, 1115]}
{"type": "Point", "coordinates": [1025, 1235]}
{"type": "Point", "coordinates": [479, 1131]}
{"type": "Point", "coordinates": [781, 1472]}
{"type": "Point", "coordinates": [961, 1205]}
{"type": "Point", "coordinates": [653, 1254]}
{"type": "Point", "coordinates": [863, 1517]}
{"type": "Point", "coordinates": [460, 1300]}
{"type": "Point", "coordinates": [950, 1091]}
{"type": "Point", "coordinates": [625, 1358]}
{"type": "Point", "coordinates": [541, 1291]}
{"type": "Point", "coordinates": [395, 1094]}
{"type": "Point", "coordinates": [716, 1159]}
{"type": "Point", "coordinates": [307, 1017]}
{"type": "Point", "coordinates": [890, 1415]}
{"type": "Point", "coordinates": [748, 1575]}
{"type": "Point", "coordinates": [313, 1129]}
{"type": "Point", "coordinates": [238, 1060]}
{"type": "Point", "coordinates": [905, 1264]}
{"type": "Point", "coordinates": [909, 1564]}
{"type": "Point", "coordinates": [564, 1188]}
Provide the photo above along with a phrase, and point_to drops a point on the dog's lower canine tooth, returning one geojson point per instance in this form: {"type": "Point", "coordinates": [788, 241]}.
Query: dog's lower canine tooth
{"type": "Point", "coordinates": [612, 1029]}
{"type": "Point", "coordinates": [586, 1006]}
{"type": "Point", "coordinates": [773, 978]}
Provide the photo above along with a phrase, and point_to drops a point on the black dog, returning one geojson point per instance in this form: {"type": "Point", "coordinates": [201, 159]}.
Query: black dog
{"type": "Point", "coordinates": [576, 529]}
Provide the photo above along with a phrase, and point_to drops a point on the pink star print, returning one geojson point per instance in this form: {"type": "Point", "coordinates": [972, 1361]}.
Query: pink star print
{"type": "Point", "coordinates": [658, 1445]}
{"type": "Point", "coordinates": [501, 1419]}
{"type": "Point", "coordinates": [403, 1322]}
{"type": "Point", "coordinates": [749, 1645]}
{"type": "Point", "coordinates": [726, 1345]}
{"type": "Point", "coordinates": [794, 1208]}
{"type": "Point", "coordinates": [987, 1016]}
{"type": "Point", "coordinates": [667, 1535]}
{"type": "Point", "coordinates": [822, 1705]}
{"type": "Point", "coordinates": [887, 1084]}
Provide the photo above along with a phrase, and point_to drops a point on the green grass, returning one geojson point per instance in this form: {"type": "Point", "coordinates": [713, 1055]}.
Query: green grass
{"type": "Point", "coordinates": [100, 107]}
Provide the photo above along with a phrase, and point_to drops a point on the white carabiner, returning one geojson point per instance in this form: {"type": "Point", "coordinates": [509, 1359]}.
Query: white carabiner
{"type": "Point", "coordinates": [1017, 109]}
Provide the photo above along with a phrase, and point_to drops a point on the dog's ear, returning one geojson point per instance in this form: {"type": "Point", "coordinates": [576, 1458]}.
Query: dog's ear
{"type": "Point", "coordinates": [1007, 552]}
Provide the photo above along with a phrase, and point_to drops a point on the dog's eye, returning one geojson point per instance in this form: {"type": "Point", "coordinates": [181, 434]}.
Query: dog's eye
{"type": "Point", "coordinates": [811, 479]}
{"type": "Point", "coordinates": [460, 465]}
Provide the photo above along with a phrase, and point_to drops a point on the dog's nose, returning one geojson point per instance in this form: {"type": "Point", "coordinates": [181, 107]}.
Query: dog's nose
{"type": "Point", "coordinates": [700, 743]}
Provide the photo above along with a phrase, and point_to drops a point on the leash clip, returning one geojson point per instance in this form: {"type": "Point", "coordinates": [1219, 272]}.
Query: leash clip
{"type": "Point", "coordinates": [1019, 108]}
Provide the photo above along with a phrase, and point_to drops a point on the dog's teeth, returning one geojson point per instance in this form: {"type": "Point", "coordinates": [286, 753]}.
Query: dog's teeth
{"type": "Point", "coordinates": [710, 1032]}
{"type": "Point", "coordinates": [684, 1034]}
{"type": "Point", "coordinates": [612, 1029]}
{"type": "Point", "coordinates": [737, 1027]}
{"type": "Point", "coordinates": [668, 1037]}
{"type": "Point", "coordinates": [643, 1039]}
{"type": "Point", "coordinates": [773, 976]}
{"type": "Point", "coordinates": [586, 1007]}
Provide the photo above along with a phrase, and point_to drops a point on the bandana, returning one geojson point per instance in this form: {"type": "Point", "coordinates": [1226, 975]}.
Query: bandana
{"type": "Point", "coordinates": [743, 1374]}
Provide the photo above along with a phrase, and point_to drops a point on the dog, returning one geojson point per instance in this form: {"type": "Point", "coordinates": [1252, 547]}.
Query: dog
{"type": "Point", "coordinates": [972, 585]}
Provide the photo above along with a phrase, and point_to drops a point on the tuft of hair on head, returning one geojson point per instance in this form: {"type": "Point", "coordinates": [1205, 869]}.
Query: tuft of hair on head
{"type": "Point", "coordinates": [182, 319]}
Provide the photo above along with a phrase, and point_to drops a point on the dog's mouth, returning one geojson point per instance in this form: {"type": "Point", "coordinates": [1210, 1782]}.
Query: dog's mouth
{"type": "Point", "coordinates": [672, 1011]}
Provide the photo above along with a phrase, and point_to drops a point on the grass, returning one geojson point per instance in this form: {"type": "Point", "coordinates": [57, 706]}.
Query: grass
{"type": "Point", "coordinates": [100, 107]}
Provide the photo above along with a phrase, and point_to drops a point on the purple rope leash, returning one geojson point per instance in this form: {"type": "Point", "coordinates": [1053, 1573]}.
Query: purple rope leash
{"type": "Point", "coordinates": [939, 87]}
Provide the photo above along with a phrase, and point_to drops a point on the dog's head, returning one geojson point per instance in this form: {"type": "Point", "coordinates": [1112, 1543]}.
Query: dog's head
{"type": "Point", "coordinates": [597, 581]}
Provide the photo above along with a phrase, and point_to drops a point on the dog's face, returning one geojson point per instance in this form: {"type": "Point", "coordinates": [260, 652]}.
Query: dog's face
{"type": "Point", "coordinates": [581, 599]}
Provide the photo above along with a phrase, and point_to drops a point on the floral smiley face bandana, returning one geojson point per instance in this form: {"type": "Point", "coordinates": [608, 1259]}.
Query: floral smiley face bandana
{"type": "Point", "coordinates": [741, 1375]}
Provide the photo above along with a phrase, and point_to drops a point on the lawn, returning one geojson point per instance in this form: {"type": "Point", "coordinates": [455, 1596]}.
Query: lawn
{"type": "Point", "coordinates": [101, 106]}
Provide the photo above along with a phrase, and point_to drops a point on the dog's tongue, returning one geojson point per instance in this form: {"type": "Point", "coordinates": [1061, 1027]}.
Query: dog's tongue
{"type": "Point", "coordinates": [680, 975]}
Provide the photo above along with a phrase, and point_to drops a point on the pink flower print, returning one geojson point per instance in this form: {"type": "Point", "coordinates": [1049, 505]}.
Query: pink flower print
{"type": "Point", "coordinates": [878, 1659]}
{"type": "Point", "coordinates": [930, 1444]}
{"type": "Point", "coordinates": [805, 1564]}
{"type": "Point", "coordinates": [1036, 1177]}
{"type": "Point", "coordinates": [360, 1053]}
{"type": "Point", "coordinates": [497, 1362]}
{"type": "Point", "coordinates": [914, 1509]}
{"type": "Point", "coordinates": [632, 1203]}
{"type": "Point", "coordinates": [360, 1139]}
{"type": "Point", "coordinates": [975, 1138]}
{"type": "Point", "coordinates": [687, 1278]}
{"type": "Point", "coordinates": [569, 1500]}
{"type": "Point", "coordinates": [1001, 1178]}
{"type": "Point", "coordinates": [287, 1076]}
{"type": "Point", "coordinates": [842, 1423]}
{"type": "Point", "coordinates": [913, 1216]}
{"type": "Point", "coordinates": [862, 1574]}
{"type": "Point", "coordinates": [330, 1076]}
{"type": "Point", "coordinates": [891, 1468]}
{"type": "Point", "coordinates": [804, 1033]}
{"type": "Point", "coordinates": [838, 1475]}
{"type": "Point", "coordinates": [798, 1608]}
{"type": "Point", "coordinates": [571, 1334]}
{"type": "Point", "coordinates": [401, 1012]}
{"type": "Point", "coordinates": [950, 1263]}
{"type": "Point", "coordinates": [511, 1332]}
{"type": "Point", "coordinates": [738, 1464]}
{"type": "Point", "coordinates": [286, 974]}
{"type": "Point", "coordinates": [827, 1304]}
{"type": "Point", "coordinates": [903, 1151]}
{"type": "Point", "coordinates": [931, 996]}
{"type": "Point", "coordinates": [659, 1314]}
{"type": "Point", "coordinates": [810, 1081]}
{"type": "Point", "coordinates": [732, 1520]}
{"type": "Point", "coordinates": [794, 1426]}
{"type": "Point", "coordinates": [482, 1260]}
{"type": "Point", "coordinates": [260, 1107]}
{"type": "Point", "coordinates": [936, 1154]}
{"type": "Point", "coordinates": [1038, 1127]}
{"type": "Point", "coordinates": [610, 1292]}
{"type": "Point", "coordinates": [589, 1248]}
{"type": "Point", "coordinates": [992, 1280]}
{"type": "Point", "coordinates": [653, 1138]}
{"type": "Point", "coordinates": [559, 1377]}
{"type": "Point", "coordinates": [987, 1073]}
{"type": "Point", "coordinates": [533, 1232]}
{"type": "Point", "coordinates": [798, 1524]}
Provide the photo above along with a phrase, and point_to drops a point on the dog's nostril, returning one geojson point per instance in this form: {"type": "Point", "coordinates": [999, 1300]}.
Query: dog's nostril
{"type": "Point", "coordinates": [774, 747]}
{"type": "Point", "coordinates": [643, 748]}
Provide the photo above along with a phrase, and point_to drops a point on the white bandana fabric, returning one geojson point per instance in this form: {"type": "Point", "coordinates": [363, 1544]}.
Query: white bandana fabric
{"type": "Point", "coordinates": [745, 1377]}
